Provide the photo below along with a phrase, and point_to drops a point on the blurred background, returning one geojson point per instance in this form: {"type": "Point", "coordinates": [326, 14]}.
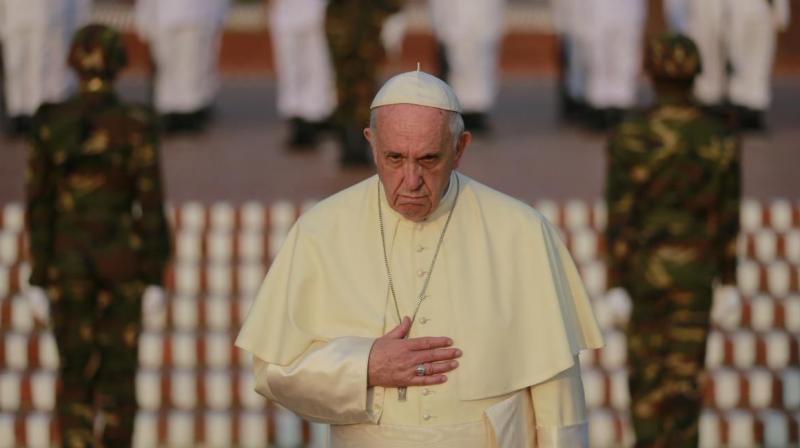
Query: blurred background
{"type": "Point", "coordinates": [235, 186]}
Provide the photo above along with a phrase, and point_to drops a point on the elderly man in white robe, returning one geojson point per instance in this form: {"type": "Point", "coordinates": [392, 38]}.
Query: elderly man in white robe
{"type": "Point", "coordinates": [419, 307]}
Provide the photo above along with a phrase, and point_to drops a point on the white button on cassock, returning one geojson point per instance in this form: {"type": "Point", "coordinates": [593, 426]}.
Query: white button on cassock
{"type": "Point", "coordinates": [426, 417]}
{"type": "Point", "coordinates": [421, 273]}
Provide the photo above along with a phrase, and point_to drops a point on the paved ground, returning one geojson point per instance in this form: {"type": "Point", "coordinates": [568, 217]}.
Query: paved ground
{"type": "Point", "coordinates": [529, 154]}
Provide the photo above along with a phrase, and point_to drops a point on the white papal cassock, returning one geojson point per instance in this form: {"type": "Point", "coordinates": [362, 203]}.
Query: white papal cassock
{"type": "Point", "coordinates": [504, 288]}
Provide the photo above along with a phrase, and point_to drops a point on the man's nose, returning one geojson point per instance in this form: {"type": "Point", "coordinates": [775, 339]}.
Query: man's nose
{"type": "Point", "coordinates": [413, 176]}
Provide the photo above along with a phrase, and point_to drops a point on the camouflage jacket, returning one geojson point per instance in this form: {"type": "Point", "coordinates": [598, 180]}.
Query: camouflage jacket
{"type": "Point", "coordinates": [94, 196]}
{"type": "Point", "coordinates": [673, 193]}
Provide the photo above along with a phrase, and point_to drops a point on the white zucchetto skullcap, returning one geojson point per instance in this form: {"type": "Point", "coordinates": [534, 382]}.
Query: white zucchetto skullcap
{"type": "Point", "coordinates": [418, 88]}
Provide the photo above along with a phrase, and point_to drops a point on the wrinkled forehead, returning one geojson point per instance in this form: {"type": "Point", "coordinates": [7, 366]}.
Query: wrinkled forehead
{"type": "Point", "coordinates": [420, 117]}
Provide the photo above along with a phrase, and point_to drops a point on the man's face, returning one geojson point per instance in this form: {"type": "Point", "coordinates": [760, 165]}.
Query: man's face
{"type": "Point", "coordinates": [415, 155]}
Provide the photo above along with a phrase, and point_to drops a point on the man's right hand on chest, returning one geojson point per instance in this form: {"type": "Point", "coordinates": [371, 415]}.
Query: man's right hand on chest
{"type": "Point", "coordinates": [394, 360]}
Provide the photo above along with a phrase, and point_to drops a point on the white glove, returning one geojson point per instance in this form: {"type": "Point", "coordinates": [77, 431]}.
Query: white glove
{"type": "Point", "coordinates": [726, 309]}
{"type": "Point", "coordinates": [38, 303]}
{"type": "Point", "coordinates": [153, 301]}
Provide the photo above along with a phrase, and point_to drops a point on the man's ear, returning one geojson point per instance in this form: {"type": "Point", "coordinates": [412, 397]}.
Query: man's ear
{"type": "Point", "coordinates": [370, 136]}
{"type": "Point", "coordinates": [461, 145]}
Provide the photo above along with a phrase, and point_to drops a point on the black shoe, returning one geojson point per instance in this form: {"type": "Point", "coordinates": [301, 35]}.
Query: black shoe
{"type": "Point", "coordinates": [750, 119]}
{"type": "Point", "coordinates": [476, 122]}
{"type": "Point", "coordinates": [20, 125]}
{"type": "Point", "coordinates": [303, 135]}
{"type": "Point", "coordinates": [355, 149]}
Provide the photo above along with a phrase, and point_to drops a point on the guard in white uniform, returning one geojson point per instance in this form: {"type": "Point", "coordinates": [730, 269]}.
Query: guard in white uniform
{"type": "Point", "coordinates": [36, 35]}
{"type": "Point", "coordinates": [742, 34]}
{"type": "Point", "coordinates": [306, 92]}
{"type": "Point", "coordinates": [184, 38]}
{"type": "Point", "coordinates": [615, 39]}
{"type": "Point", "coordinates": [572, 23]}
{"type": "Point", "coordinates": [471, 32]}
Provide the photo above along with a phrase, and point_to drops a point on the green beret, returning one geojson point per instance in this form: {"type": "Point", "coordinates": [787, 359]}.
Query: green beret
{"type": "Point", "coordinates": [672, 57]}
{"type": "Point", "coordinates": [97, 51]}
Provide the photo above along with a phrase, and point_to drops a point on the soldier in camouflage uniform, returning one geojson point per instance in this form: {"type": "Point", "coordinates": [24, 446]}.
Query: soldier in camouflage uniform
{"type": "Point", "coordinates": [98, 237]}
{"type": "Point", "coordinates": [673, 195]}
{"type": "Point", "coordinates": [353, 28]}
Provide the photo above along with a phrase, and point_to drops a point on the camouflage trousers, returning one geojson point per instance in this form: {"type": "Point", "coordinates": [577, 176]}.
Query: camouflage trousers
{"type": "Point", "coordinates": [666, 353]}
{"type": "Point", "coordinates": [96, 329]}
{"type": "Point", "coordinates": [353, 29]}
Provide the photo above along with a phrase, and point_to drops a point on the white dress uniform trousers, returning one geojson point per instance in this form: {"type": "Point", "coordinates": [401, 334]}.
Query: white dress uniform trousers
{"type": "Point", "coordinates": [615, 40]}
{"type": "Point", "coordinates": [36, 36]}
{"type": "Point", "coordinates": [471, 32]}
{"type": "Point", "coordinates": [302, 61]}
{"type": "Point", "coordinates": [742, 33]}
{"type": "Point", "coordinates": [184, 37]}
{"type": "Point", "coordinates": [573, 22]}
